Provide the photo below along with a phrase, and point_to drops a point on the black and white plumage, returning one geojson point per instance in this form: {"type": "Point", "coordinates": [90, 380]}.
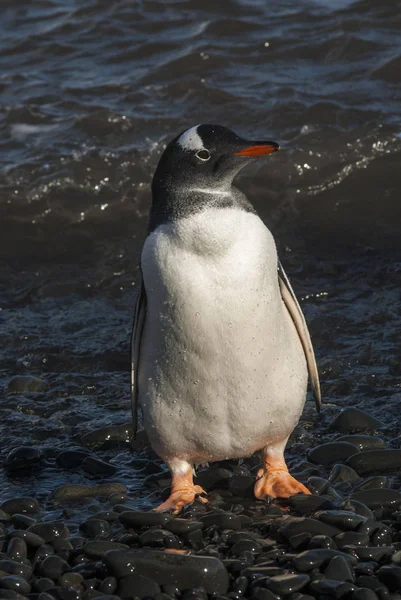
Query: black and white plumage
{"type": "Point", "coordinates": [220, 347]}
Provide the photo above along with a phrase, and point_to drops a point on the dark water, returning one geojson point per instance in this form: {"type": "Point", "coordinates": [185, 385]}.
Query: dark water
{"type": "Point", "coordinates": [90, 93]}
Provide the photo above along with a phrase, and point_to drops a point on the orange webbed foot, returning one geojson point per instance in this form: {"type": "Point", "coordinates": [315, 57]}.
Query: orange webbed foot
{"type": "Point", "coordinates": [277, 484]}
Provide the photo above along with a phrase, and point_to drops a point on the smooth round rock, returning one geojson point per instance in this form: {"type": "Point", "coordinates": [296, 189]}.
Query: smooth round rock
{"type": "Point", "coordinates": [339, 569]}
{"type": "Point", "coordinates": [53, 567]}
{"type": "Point", "coordinates": [137, 586]}
{"type": "Point", "coordinates": [13, 582]}
{"type": "Point", "coordinates": [245, 546]}
{"type": "Point", "coordinates": [353, 419]}
{"type": "Point", "coordinates": [97, 548]}
{"type": "Point", "coordinates": [223, 520]}
{"type": "Point", "coordinates": [382, 497]}
{"type": "Point", "coordinates": [71, 459]}
{"type": "Point", "coordinates": [24, 505]}
{"type": "Point", "coordinates": [375, 553]}
{"type": "Point", "coordinates": [181, 526]}
{"type": "Point", "coordinates": [31, 539]}
{"type": "Point", "coordinates": [109, 585]}
{"type": "Point", "coordinates": [185, 571]}
{"type": "Point", "coordinates": [73, 580]}
{"type": "Point", "coordinates": [72, 492]}
{"type": "Point", "coordinates": [21, 384]}
{"type": "Point", "coordinates": [42, 584]}
{"type": "Point", "coordinates": [351, 538]}
{"type": "Point", "coordinates": [306, 525]}
{"type": "Point", "coordinates": [95, 528]}
{"type": "Point", "coordinates": [114, 436]}
{"type": "Point", "coordinates": [364, 594]}
{"type": "Point", "coordinates": [363, 442]}
{"type": "Point", "coordinates": [374, 482]}
{"type": "Point", "coordinates": [372, 462]}
{"type": "Point", "coordinates": [332, 588]}
{"type": "Point", "coordinates": [97, 467]}
{"type": "Point", "coordinates": [16, 568]}
{"type": "Point", "coordinates": [138, 519]}
{"type": "Point", "coordinates": [21, 458]}
{"type": "Point", "coordinates": [390, 575]}
{"type": "Point", "coordinates": [357, 507]}
{"type": "Point", "coordinates": [340, 473]}
{"type": "Point", "coordinates": [332, 452]}
{"type": "Point", "coordinates": [321, 541]}
{"type": "Point", "coordinates": [50, 530]}
{"type": "Point", "coordinates": [21, 521]}
{"type": "Point", "coordinates": [287, 583]}
{"type": "Point", "coordinates": [347, 521]}
{"type": "Point", "coordinates": [312, 559]}
{"type": "Point", "coordinates": [17, 549]}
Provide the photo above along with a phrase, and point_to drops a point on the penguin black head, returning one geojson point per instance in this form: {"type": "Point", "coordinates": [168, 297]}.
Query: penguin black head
{"type": "Point", "coordinates": [198, 168]}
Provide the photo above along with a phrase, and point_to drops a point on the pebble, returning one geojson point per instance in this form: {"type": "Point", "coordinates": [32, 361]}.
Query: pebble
{"type": "Point", "coordinates": [357, 507]}
{"type": "Point", "coordinates": [71, 459]}
{"type": "Point", "coordinates": [353, 419]}
{"type": "Point", "coordinates": [109, 437]}
{"type": "Point", "coordinates": [72, 492]}
{"type": "Point", "coordinates": [165, 568]}
{"type": "Point", "coordinates": [182, 526]}
{"type": "Point", "coordinates": [332, 452]}
{"type": "Point", "coordinates": [138, 586]}
{"type": "Point", "coordinates": [94, 528]}
{"type": "Point", "coordinates": [339, 568]}
{"type": "Point", "coordinates": [341, 473]}
{"type": "Point", "coordinates": [53, 567]}
{"type": "Point", "coordinates": [305, 524]}
{"type": "Point", "coordinates": [98, 548]}
{"type": "Point", "coordinates": [371, 483]}
{"type": "Point", "coordinates": [363, 442]}
{"type": "Point", "coordinates": [340, 518]}
{"type": "Point", "coordinates": [24, 505]}
{"type": "Point", "coordinates": [311, 559]}
{"type": "Point", "coordinates": [222, 520]}
{"type": "Point", "coordinates": [14, 567]}
{"type": "Point", "coordinates": [50, 530]}
{"type": "Point", "coordinates": [331, 588]}
{"type": "Point", "coordinates": [390, 575]}
{"type": "Point", "coordinates": [21, 384]}
{"type": "Point", "coordinates": [371, 462]}
{"type": "Point", "coordinates": [287, 583]}
{"type": "Point", "coordinates": [97, 467]}
{"type": "Point", "coordinates": [21, 521]}
{"type": "Point", "coordinates": [382, 497]}
{"type": "Point", "coordinates": [31, 539]}
{"type": "Point", "coordinates": [213, 477]}
{"type": "Point", "coordinates": [369, 553]}
{"type": "Point", "coordinates": [351, 538]}
{"type": "Point", "coordinates": [17, 549]}
{"type": "Point", "coordinates": [13, 582]}
{"type": "Point", "coordinates": [22, 458]}
{"type": "Point", "coordinates": [137, 519]}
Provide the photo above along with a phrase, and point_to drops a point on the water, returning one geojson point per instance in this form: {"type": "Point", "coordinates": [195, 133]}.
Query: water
{"type": "Point", "coordinates": [90, 94]}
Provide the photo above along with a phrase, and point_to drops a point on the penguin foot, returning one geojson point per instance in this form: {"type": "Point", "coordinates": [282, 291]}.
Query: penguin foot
{"type": "Point", "coordinates": [180, 498]}
{"type": "Point", "coordinates": [277, 483]}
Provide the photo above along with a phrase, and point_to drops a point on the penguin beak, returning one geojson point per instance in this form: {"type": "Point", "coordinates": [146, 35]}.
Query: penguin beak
{"type": "Point", "coordinates": [258, 149]}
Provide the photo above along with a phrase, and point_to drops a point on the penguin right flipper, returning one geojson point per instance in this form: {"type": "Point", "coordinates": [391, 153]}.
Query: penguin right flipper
{"type": "Point", "coordinates": [292, 305]}
{"type": "Point", "coordinates": [137, 328]}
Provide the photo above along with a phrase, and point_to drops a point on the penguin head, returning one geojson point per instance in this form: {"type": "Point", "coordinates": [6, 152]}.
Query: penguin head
{"type": "Point", "coordinates": [207, 158]}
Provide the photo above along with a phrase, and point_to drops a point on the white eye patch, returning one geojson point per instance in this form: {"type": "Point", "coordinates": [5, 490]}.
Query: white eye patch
{"type": "Point", "coordinates": [190, 139]}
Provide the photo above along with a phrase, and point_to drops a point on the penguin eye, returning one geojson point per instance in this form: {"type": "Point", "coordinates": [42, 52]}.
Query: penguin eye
{"type": "Point", "coordinates": [203, 154]}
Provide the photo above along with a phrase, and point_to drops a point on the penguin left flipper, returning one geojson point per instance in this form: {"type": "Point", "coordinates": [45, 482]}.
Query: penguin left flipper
{"type": "Point", "coordinates": [296, 314]}
{"type": "Point", "coordinates": [137, 328]}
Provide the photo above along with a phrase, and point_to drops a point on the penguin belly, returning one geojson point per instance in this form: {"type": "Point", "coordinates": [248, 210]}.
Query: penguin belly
{"type": "Point", "coordinates": [222, 371]}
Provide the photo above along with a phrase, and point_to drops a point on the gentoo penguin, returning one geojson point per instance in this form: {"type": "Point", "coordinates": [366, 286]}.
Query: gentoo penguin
{"type": "Point", "coordinates": [220, 347]}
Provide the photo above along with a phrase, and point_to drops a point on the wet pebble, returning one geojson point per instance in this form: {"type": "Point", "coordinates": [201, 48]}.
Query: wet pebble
{"type": "Point", "coordinates": [363, 442]}
{"type": "Point", "coordinates": [50, 530]}
{"type": "Point", "coordinates": [21, 521]}
{"type": "Point", "coordinates": [109, 437]}
{"type": "Point", "coordinates": [311, 559]}
{"type": "Point", "coordinates": [24, 505]}
{"type": "Point", "coordinates": [71, 459]}
{"type": "Point", "coordinates": [340, 518]}
{"type": "Point", "coordinates": [332, 588]}
{"type": "Point", "coordinates": [383, 497]}
{"type": "Point", "coordinates": [14, 567]}
{"type": "Point", "coordinates": [141, 586]}
{"type": "Point", "coordinates": [371, 462]}
{"type": "Point", "coordinates": [98, 548]}
{"type": "Point", "coordinates": [369, 553]}
{"type": "Point", "coordinates": [53, 567]}
{"type": "Point", "coordinates": [94, 528]}
{"type": "Point", "coordinates": [22, 458]}
{"type": "Point", "coordinates": [390, 575]}
{"type": "Point", "coordinates": [339, 568]}
{"type": "Point", "coordinates": [213, 477]}
{"type": "Point", "coordinates": [371, 483]}
{"type": "Point", "coordinates": [17, 549]}
{"type": "Point", "coordinates": [340, 473]}
{"type": "Point", "coordinates": [138, 519]}
{"type": "Point", "coordinates": [31, 539]}
{"type": "Point", "coordinates": [332, 452]}
{"type": "Point", "coordinates": [222, 520]}
{"type": "Point", "coordinates": [25, 383]}
{"type": "Point", "coordinates": [182, 526]}
{"type": "Point", "coordinates": [287, 583]}
{"type": "Point", "coordinates": [95, 466]}
{"type": "Point", "coordinates": [109, 585]}
{"type": "Point", "coordinates": [357, 507]}
{"type": "Point", "coordinates": [166, 568]}
{"type": "Point", "coordinates": [351, 538]}
{"type": "Point", "coordinates": [353, 419]}
{"type": "Point", "coordinates": [307, 525]}
{"type": "Point", "coordinates": [15, 583]}
{"type": "Point", "coordinates": [72, 492]}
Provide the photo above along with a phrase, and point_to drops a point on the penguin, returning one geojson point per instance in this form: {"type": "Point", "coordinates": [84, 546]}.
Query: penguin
{"type": "Point", "coordinates": [220, 350]}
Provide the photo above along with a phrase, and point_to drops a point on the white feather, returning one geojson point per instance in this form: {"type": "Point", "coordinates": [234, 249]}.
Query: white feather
{"type": "Point", "coordinates": [190, 139]}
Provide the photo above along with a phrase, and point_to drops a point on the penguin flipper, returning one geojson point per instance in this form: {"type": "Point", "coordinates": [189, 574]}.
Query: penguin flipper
{"type": "Point", "coordinates": [292, 305]}
{"type": "Point", "coordinates": [137, 328]}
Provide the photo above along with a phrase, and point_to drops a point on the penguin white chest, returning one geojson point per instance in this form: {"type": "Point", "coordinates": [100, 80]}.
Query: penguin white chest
{"type": "Point", "coordinates": [222, 372]}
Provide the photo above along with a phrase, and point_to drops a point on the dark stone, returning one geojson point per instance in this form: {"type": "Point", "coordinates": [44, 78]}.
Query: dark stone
{"type": "Point", "coordinates": [25, 505]}
{"type": "Point", "coordinates": [182, 526]}
{"type": "Point", "coordinates": [109, 437]}
{"type": "Point", "coordinates": [16, 568]}
{"type": "Point", "coordinates": [357, 507]}
{"type": "Point", "coordinates": [73, 580]}
{"type": "Point", "coordinates": [108, 585]}
{"type": "Point", "coordinates": [155, 538]}
{"type": "Point", "coordinates": [242, 485]}
{"type": "Point", "coordinates": [53, 567]}
{"type": "Point", "coordinates": [21, 384]}
{"type": "Point", "coordinates": [300, 541]}
{"type": "Point", "coordinates": [97, 548]}
{"type": "Point", "coordinates": [369, 553]}
{"type": "Point", "coordinates": [318, 485]}
{"type": "Point", "coordinates": [331, 587]}
{"type": "Point", "coordinates": [166, 568]}
{"type": "Point", "coordinates": [363, 442]}
{"type": "Point", "coordinates": [306, 525]}
{"type": "Point", "coordinates": [341, 473]}
{"type": "Point", "coordinates": [382, 536]}
{"type": "Point", "coordinates": [260, 593]}
{"type": "Point", "coordinates": [390, 575]}
{"type": "Point", "coordinates": [353, 419]}
{"type": "Point", "coordinates": [50, 530]}
{"type": "Point", "coordinates": [222, 520]}
{"type": "Point", "coordinates": [137, 519]}
{"type": "Point", "coordinates": [321, 541]}
{"type": "Point", "coordinates": [137, 586]}
{"type": "Point", "coordinates": [21, 521]}
{"type": "Point", "coordinates": [71, 459]}
{"type": "Point", "coordinates": [339, 569]}
{"type": "Point", "coordinates": [95, 528]}
{"type": "Point", "coordinates": [306, 503]}
{"type": "Point", "coordinates": [17, 549]}
{"type": "Point", "coordinates": [212, 478]}
{"type": "Point", "coordinates": [371, 483]}
{"type": "Point", "coordinates": [12, 595]}
{"type": "Point", "coordinates": [23, 457]}
{"type": "Point", "coordinates": [72, 492]}
{"type": "Point", "coordinates": [42, 584]}
{"type": "Point", "coordinates": [245, 546]}
{"type": "Point", "coordinates": [332, 452]}
{"type": "Point", "coordinates": [97, 467]}
{"type": "Point", "coordinates": [351, 538]}
{"type": "Point", "coordinates": [364, 594]}
{"type": "Point", "coordinates": [373, 462]}
{"type": "Point", "coordinates": [382, 497]}
{"type": "Point", "coordinates": [312, 559]}
{"type": "Point", "coordinates": [287, 583]}
{"type": "Point", "coordinates": [13, 582]}
{"type": "Point", "coordinates": [340, 518]}
{"type": "Point", "coordinates": [31, 539]}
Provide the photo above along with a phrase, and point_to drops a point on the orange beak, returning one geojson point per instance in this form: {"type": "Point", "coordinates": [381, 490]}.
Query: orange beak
{"type": "Point", "coordinates": [259, 149]}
